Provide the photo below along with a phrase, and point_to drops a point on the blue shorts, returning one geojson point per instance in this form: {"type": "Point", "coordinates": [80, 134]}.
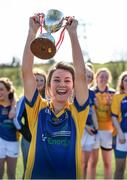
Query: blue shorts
{"type": "Point", "coordinates": [118, 154]}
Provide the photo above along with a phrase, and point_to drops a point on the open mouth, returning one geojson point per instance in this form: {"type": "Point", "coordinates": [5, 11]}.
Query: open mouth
{"type": "Point", "coordinates": [61, 91]}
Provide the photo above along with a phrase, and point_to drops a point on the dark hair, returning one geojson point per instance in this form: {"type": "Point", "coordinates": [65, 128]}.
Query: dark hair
{"type": "Point", "coordinates": [120, 87]}
{"type": "Point", "coordinates": [59, 65]}
{"type": "Point", "coordinates": [9, 86]}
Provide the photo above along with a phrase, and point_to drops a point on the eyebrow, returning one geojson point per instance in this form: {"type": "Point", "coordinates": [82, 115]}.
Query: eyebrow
{"type": "Point", "coordinates": [57, 77]}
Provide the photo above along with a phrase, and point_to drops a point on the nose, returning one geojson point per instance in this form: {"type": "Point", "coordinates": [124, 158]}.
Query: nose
{"type": "Point", "coordinates": [62, 83]}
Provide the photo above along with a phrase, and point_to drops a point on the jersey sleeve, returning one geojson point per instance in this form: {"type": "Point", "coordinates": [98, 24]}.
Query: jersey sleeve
{"type": "Point", "coordinates": [20, 108]}
{"type": "Point", "coordinates": [80, 114]}
{"type": "Point", "coordinates": [33, 108]}
{"type": "Point", "coordinates": [115, 106]}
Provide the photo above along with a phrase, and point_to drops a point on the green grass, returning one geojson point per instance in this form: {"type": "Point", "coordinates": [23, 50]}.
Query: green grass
{"type": "Point", "coordinates": [19, 169]}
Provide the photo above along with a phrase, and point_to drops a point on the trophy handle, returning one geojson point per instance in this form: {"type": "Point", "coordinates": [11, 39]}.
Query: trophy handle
{"type": "Point", "coordinates": [68, 20]}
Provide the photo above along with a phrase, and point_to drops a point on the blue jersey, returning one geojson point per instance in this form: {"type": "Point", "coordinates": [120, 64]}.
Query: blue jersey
{"type": "Point", "coordinates": [55, 148]}
{"type": "Point", "coordinates": [91, 103]}
{"type": "Point", "coordinates": [20, 120]}
{"type": "Point", "coordinates": [119, 110]}
{"type": "Point", "coordinates": [7, 128]}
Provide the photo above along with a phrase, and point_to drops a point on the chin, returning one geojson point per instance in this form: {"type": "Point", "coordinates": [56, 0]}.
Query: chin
{"type": "Point", "coordinates": [62, 100]}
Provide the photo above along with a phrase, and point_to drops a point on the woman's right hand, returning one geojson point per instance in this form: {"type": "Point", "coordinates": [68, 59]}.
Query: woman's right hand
{"type": "Point", "coordinates": [90, 130]}
{"type": "Point", "coordinates": [34, 24]}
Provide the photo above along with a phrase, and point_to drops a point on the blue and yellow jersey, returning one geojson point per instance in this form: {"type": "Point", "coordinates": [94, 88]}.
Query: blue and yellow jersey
{"type": "Point", "coordinates": [89, 120]}
{"type": "Point", "coordinates": [119, 110]}
{"type": "Point", "coordinates": [20, 120]}
{"type": "Point", "coordinates": [7, 129]}
{"type": "Point", "coordinates": [55, 148]}
{"type": "Point", "coordinates": [103, 108]}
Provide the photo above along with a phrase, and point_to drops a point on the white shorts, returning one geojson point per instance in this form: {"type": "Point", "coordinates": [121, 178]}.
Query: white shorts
{"type": "Point", "coordinates": [88, 141]}
{"type": "Point", "coordinates": [103, 139]}
{"type": "Point", "coordinates": [119, 146]}
{"type": "Point", "coordinates": [8, 148]}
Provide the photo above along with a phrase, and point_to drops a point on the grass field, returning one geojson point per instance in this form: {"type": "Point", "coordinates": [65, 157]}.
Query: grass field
{"type": "Point", "coordinates": [19, 170]}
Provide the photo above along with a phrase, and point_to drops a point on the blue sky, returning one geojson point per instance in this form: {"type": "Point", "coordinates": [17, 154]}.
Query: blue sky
{"type": "Point", "coordinates": [106, 27]}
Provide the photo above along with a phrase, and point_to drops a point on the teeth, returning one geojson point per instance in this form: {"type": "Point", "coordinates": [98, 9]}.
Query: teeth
{"type": "Point", "coordinates": [61, 91]}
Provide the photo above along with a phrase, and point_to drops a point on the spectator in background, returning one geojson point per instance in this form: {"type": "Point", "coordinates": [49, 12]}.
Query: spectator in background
{"type": "Point", "coordinates": [105, 128]}
{"type": "Point", "coordinates": [9, 144]}
{"type": "Point", "coordinates": [56, 126]}
{"type": "Point", "coordinates": [21, 121]}
{"type": "Point", "coordinates": [88, 139]}
{"type": "Point", "coordinates": [119, 117]}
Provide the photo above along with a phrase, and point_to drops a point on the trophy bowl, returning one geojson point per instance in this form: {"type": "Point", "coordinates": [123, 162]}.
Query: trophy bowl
{"type": "Point", "coordinates": [43, 46]}
{"type": "Point", "coordinates": [53, 20]}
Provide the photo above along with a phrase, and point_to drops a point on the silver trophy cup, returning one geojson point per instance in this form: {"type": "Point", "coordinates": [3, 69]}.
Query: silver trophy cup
{"type": "Point", "coordinates": [43, 46]}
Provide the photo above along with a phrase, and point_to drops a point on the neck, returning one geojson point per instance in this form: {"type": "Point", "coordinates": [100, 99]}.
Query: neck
{"type": "Point", "coordinates": [102, 88]}
{"type": "Point", "coordinates": [4, 102]}
{"type": "Point", "coordinates": [57, 107]}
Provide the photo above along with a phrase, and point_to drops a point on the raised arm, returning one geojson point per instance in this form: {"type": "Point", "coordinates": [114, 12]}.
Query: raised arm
{"type": "Point", "coordinates": [81, 89]}
{"type": "Point", "coordinates": [28, 58]}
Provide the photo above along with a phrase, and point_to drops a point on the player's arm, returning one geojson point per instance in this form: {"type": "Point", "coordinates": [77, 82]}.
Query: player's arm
{"type": "Point", "coordinates": [27, 62]}
{"type": "Point", "coordinates": [81, 90]}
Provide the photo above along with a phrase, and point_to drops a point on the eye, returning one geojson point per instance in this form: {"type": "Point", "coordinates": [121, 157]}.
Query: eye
{"type": "Point", "coordinates": [89, 77]}
{"type": "Point", "coordinates": [56, 80]}
{"type": "Point", "coordinates": [125, 80]}
{"type": "Point", "coordinates": [67, 81]}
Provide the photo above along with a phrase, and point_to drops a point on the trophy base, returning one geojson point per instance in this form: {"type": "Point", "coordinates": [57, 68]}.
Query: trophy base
{"type": "Point", "coordinates": [43, 48]}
